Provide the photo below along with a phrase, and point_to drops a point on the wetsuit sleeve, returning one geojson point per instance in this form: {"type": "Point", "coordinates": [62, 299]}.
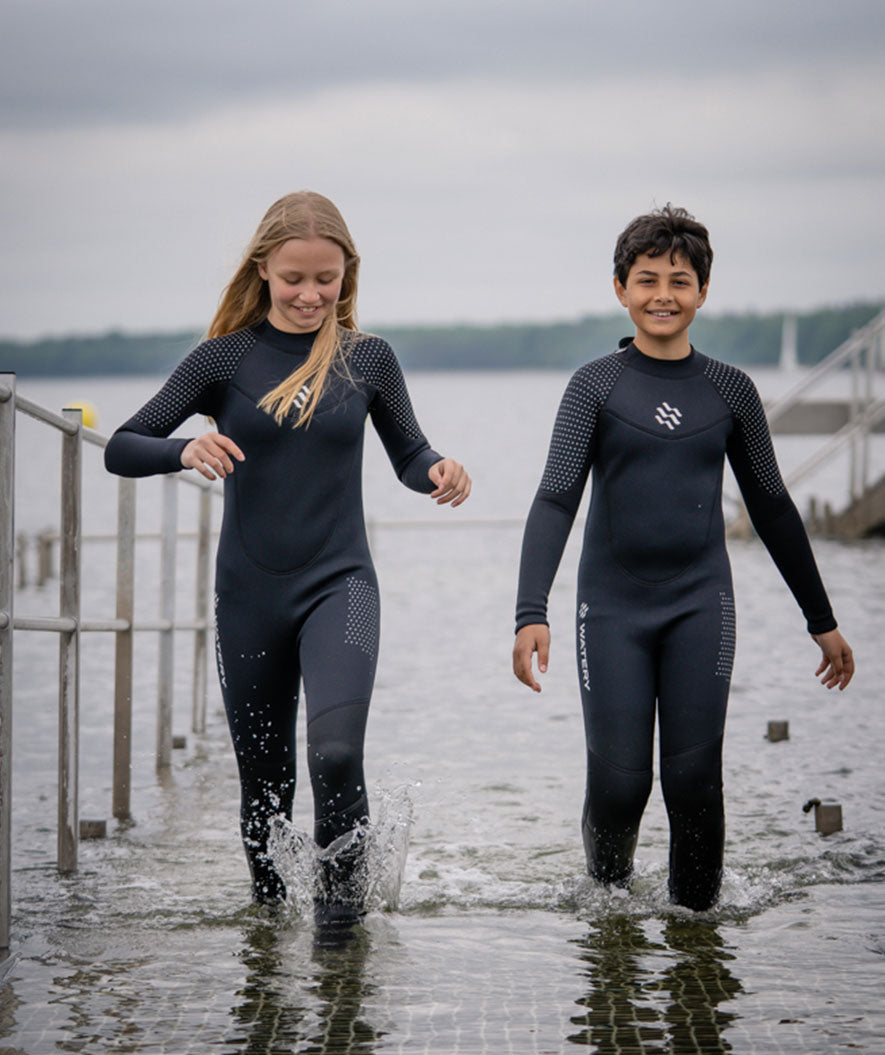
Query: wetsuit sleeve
{"type": "Point", "coordinates": [771, 510]}
{"type": "Point", "coordinates": [391, 411]}
{"type": "Point", "coordinates": [558, 497]}
{"type": "Point", "coordinates": [141, 447]}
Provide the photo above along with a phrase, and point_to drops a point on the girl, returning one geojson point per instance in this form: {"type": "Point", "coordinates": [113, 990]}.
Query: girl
{"type": "Point", "coordinates": [288, 380]}
{"type": "Point", "coordinates": [655, 612]}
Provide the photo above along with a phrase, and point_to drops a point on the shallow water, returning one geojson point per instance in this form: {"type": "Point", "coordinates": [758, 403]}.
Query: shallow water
{"type": "Point", "coordinates": [498, 941]}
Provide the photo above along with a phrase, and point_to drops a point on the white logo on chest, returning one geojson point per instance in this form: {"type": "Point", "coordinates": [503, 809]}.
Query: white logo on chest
{"type": "Point", "coordinates": [669, 416]}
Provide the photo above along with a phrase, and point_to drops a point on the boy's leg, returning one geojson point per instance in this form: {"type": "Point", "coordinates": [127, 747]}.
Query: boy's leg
{"type": "Point", "coordinates": [694, 683]}
{"type": "Point", "coordinates": [616, 673]}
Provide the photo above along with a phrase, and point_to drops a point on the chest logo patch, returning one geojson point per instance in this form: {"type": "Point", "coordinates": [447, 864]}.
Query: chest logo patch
{"type": "Point", "coordinates": [669, 416]}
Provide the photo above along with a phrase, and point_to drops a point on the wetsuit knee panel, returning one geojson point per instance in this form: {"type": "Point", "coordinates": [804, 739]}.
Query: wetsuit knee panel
{"type": "Point", "coordinates": [692, 780]}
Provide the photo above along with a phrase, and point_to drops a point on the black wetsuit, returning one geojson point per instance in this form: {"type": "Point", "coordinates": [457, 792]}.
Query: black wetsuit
{"type": "Point", "coordinates": [655, 610]}
{"type": "Point", "coordinates": [296, 593]}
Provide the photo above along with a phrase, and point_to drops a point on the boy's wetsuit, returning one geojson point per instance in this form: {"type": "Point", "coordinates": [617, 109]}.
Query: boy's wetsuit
{"type": "Point", "coordinates": [655, 610]}
{"type": "Point", "coordinates": [296, 593]}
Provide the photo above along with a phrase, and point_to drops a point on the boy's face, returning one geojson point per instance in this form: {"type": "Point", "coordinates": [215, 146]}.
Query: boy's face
{"type": "Point", "coordinates": [662, 297]}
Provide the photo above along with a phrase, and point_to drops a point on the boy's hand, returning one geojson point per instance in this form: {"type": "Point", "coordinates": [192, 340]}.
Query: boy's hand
{"type": "Point", "coordinates": [531, 639]}
{"type": "Point", "coordinates": [836, 662]}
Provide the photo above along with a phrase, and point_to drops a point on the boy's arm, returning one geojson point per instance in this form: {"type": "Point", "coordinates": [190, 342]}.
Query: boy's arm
{"type": "Point", "coordinates": [771, 510]}
{"type": "Point", "coordinates": [556, 502]}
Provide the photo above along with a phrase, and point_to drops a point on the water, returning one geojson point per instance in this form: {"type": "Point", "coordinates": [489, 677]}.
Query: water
{"type": "Point", "coordinates": [497, 942]}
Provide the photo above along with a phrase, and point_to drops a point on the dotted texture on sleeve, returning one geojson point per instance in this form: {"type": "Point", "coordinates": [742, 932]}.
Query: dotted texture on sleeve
{"type": "Point", "coordinates": [742, 399]}
{"type": "Point", "coordinates": [212, 362]}
{"type": "Point", "coordinates": [374, 360]}
{"type": "Point", "coordinates": [576, 421]}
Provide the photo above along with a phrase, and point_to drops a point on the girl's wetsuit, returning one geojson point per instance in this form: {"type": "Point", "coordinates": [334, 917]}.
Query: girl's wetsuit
{"type": "Point", "coordinates": [655, 610]}
{"type": "Point", "coordinates": [296, 593]}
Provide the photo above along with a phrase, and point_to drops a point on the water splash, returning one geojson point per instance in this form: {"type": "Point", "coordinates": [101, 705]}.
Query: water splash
{"type": "Point", "coordinates": [309, 871]}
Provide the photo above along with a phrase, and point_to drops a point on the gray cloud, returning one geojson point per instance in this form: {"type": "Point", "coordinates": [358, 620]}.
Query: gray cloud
{"type": "Point", "coordinates": [485, 154]}
{"type": "Point", "coordinates": [66, 63]}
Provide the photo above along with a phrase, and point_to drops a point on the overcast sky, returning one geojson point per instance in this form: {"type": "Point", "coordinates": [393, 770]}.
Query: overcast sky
{"type": "Point", "coordinates": [485, 153]}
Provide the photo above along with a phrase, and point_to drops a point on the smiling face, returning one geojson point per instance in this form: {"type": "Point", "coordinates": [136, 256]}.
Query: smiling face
{"type": "Point", "coordinates": [304, 277]}
{"type": "Point", "coordinates": [662, 297]}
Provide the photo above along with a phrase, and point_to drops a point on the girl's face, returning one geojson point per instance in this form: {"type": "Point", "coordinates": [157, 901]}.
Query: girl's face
{"type": "Point", "coordinates": [304, 277]}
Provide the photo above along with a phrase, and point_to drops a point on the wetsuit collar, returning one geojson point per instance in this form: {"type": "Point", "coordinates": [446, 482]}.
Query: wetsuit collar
{"type": "Point", "coordinates": [685, 367]}
{"type": "Point", "coordinates": [294, 343]}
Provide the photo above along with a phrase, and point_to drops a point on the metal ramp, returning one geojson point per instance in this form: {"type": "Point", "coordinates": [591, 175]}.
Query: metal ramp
{"type": "Point", "coordinates": [864, 354]}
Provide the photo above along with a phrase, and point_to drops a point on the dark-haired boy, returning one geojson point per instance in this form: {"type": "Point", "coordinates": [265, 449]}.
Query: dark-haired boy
{"type": "Point", "coordinates": [655, 610]}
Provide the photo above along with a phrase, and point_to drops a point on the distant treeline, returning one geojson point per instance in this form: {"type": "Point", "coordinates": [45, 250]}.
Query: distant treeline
{"type": "Point", "coordinates": [748, 339]}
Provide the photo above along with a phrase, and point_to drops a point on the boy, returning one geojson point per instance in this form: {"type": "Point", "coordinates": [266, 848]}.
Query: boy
{"type": "Point", "coordinates": [655, 610]}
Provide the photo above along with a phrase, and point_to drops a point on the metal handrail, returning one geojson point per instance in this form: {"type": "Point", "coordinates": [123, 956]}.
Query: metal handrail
{"type": "Point", "coordinates": [865, 412]}
{"type": "Point", "coordinates": [874, 413]}
{"type": "Point", "coordinates": [69, 625]}
{"type": "Point", "coordinates": [854, 345]}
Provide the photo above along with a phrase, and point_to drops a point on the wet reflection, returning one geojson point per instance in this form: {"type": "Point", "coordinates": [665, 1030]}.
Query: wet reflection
{"type": "Point", "coordinates": [286, 1005]}
{"type": "Point", "coordinates": [646, 995]}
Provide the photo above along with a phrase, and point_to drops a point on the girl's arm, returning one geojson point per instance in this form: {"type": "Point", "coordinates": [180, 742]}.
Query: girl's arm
{"type": "Point", "coordinates": [142, 447]}
{"type": "Point", "coordinates": [394, 419]}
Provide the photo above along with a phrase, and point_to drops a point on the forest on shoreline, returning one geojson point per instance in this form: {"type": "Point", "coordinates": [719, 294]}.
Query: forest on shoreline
{"type": "Point", "coordinates": [749, 339]}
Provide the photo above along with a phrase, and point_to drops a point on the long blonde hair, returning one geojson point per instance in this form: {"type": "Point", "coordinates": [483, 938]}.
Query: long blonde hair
{"type": "Point", "coordinates": [246, 299]}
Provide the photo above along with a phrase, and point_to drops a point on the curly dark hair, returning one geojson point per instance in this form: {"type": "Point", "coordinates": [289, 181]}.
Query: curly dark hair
{"type": "Point", "coordinates": [665, 230]}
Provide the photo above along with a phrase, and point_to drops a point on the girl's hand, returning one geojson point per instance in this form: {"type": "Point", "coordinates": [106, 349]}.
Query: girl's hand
{"type": "Point", "coordinates": [837, 661]}
{"type": "Point", "coordinates": [452, 482]}
{"type": "Point", "coordinates": [531, 639]}
{"type": "Point", "coordinates": [211, 454]}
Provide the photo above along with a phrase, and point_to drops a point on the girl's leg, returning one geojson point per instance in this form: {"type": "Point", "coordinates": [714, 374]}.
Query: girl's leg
{"type": "Point", "coordinates": [259, 673]}
{"type": "Point", "coordinates": [694, 681]}
{"type": "Point", "coordinates": [617, 677]}
{"type": "Point", "coordinates": [338, 647]}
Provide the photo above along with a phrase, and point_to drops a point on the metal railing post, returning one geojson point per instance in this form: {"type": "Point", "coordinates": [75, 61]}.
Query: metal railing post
{"type": "Point", "coordinates": [869, 397]}
{"type": "Point", "coordinates": [201, 612]}
{"type": "Point", "coordinates": [853, 417]}
{"type": "Point", "coordinates": [167, 615]}
{"type": "Point", "coordinates": [7, 588]}
{"type": "Point", "coordinates": [123, 648]}
{"type": "Point", "coordinates": [69, 645]}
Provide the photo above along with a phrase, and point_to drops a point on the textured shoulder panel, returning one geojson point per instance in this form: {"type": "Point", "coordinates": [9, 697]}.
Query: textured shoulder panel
{"type": "Point", "coordinates": [374, 361]}
{"type": "Point", "coordinates": [742, 399]}
{"type": "Point", "coordinates": [213, 361]}
{"type": "Point", "coordinates": [586, 392]}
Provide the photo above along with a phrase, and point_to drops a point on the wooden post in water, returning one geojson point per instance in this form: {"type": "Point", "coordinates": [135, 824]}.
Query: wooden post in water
{"type": "Point", "coordinates": [167, 615]}
{"type": "Point", "coordinates": [123, 648]}
{"type": "Point", "coordinates": [201, 612]}
{"type": "Point", "coordinates": [69, 644]}
{"type": "Point", "coordinates": [7, 587]}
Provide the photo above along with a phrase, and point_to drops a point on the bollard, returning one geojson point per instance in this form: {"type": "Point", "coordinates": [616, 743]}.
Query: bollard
{"type": "Point", "coordinates": [93, 829]}
{"type": "Point", "coordinates": [44, 557]}
{"type": "Point", "coordinates": [827, 816]}
{"type": "Point", "coordinates": [21, 558]}
{"type": "Point", "coordinates": [778, 731]}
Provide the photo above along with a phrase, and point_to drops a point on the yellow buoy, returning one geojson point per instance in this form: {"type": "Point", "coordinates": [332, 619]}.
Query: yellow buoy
{"type": "Point", "coordinates": [90, 414]}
